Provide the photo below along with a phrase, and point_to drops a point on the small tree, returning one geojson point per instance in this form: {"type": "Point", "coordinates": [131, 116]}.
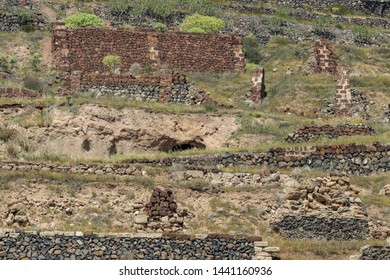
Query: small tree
{"type": "Point", "coordinates": [206, 23]}
{"type": "Point", "coordinates": [83, 19]}
{"type": "Point", "coordinates": [112, 62]}
{"type": "Point", "coordinates": [160, 26]}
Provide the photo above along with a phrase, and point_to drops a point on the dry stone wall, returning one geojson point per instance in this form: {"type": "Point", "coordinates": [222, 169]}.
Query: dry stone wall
{"type": "Point", "coordinates": [168, 86]}
{"type": "Point", "coordinates": [374, 253]}
{"type": "Point", "coordinates": [323, 209]}
{"type": "Point", "coordinates": [83, 50]}
{"type": "Point", "coordinates": [351, 158]}
{"type": "Point", "coordinates": [307, 133]}
{"type": "Point", "coordinates": [111, 246]}
{"type": "Point", "coordinates": [378, 7]}
{"type": "Point", "coordinates": [18, 93]}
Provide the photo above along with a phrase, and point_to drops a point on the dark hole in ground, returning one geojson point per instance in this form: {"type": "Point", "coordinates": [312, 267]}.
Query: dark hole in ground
{"type": "Point", "coordinates": [187, 146]}
{"type": "Point", "coordinates": [86, 145]}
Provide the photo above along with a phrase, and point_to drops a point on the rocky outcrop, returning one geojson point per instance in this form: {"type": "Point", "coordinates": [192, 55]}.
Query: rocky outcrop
{"type": "Point", "coordinates": [128, 246]}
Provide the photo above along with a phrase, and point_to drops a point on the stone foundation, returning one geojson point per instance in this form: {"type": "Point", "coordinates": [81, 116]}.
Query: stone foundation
{"type": "Point", "coordinates": [18, 93]}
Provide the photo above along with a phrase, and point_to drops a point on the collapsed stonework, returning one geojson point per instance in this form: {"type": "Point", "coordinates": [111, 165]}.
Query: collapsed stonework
{"type": "Point", "coordinates": [307, 133]}
{"type": "Point", "coordinates": [160, 214]}
{"type": "Point", "coordinates": [323, 209]}
{"type": "Point", "coordinates": [258, 92]}
{"type": "Point", "coordinates": [11, 21]}
{"type": "Point", "coordinates": [373, 253]}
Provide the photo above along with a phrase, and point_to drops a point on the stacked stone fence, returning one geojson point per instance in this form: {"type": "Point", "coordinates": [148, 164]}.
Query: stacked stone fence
{"type": "Point", "coordinates": [9, 19]}
{"type": "Point", "coordinates": [374, 253]}
{"type": "Point", "coordinates": [97, 169]}
{"type": "Point", "coordinates": [83, 49]}
{"type": "Point", "coordinates": [167, 86]}
{"type": "Point", "coordinates": [18, 245]}
{"type": "Point", "coordinates": [307, 133]}
{"type": "Point", "coordinates": [18, 93]}
{"type": "Point", "coordinates": [377, 7]}
{"type": "Point", "coordinates": [350, 158]}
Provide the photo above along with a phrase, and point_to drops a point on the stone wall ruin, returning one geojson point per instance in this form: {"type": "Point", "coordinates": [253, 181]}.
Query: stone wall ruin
{"type": "Point", "coordinates": [83, 49]}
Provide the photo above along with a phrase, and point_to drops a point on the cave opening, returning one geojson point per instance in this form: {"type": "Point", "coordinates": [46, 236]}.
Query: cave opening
{"type": "Point", "coordinates": [187, 146]}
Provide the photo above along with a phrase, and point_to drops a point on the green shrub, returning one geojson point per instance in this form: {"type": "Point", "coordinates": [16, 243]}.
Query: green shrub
{"type": "Point", "coordinates": [160, 26]}
{"type": "Point", "coordinates": [323, 21]}
{"type": "Point", "coordinates": [277, 21]}
{"type": "Point", "coordinates": [338, 9]}
{"type": "Point", "coordinates": [196, 30]}
{"type": "Point", "coordinates": [3, 62]}
{"type": "Point", "coordinates": [34, 84]}
{"type": "Point", "coordinates": [363, 34]}
{"type": "Point", "coordinates": [27, 28]}
{"type": "Point", "coordinates": [156, 8]}
{"type": "Point", "coordinates": [206, 23]}
{"type": "Point", "coordinates": [252, 49]}
{"type": "Point", "coordinates": [83, 19]}
{"type": "Point", "coordinates": [112, 61]}
{"type": "Point", "coordinates": [120, 7]}
{"type": "Point", "coordinates": [24, 15]}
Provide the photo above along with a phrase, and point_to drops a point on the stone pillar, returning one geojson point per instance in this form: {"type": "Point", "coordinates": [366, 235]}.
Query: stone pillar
{"type": "Point", "coordinates": [153, 52]}
{"type": "Point", "coordinates": [326, 60]}
{"type": "Point", "coordinates": [343, 96]}
{"type": "Point", "coordinates": [258, 92]}
{"type": "Point", "coordinates": [239, 57]}
{"type": "Point", "coordinates": [60, 51]}
{"type": "Point", "coordinates": [166, 82]}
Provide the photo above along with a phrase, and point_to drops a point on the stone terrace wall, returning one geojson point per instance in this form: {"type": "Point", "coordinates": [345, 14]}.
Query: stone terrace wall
{"type": "Point", "coordinates": [18, 92]}
{"type": "Point", "coordinates": [322, 227]}
{"type": "Point", "coordinates": [83, 49]}
{"type": "Point", "coordinates": [352, 158]}
{"type": "Point", "coordinates": [76, 245]}
{"type": "Point", "coordinates": [375, 253]}
{"type": "Point", "coordinates": [168, 86]}
{"type": "Point", "coordinates": [306, 133]}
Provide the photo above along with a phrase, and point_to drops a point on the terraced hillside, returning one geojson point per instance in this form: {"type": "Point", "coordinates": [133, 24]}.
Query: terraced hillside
{"type": "Point", "coordinates": [269, 137]}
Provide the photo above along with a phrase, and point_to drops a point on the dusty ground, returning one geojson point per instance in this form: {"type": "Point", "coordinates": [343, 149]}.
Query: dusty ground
{"type": "Point", "coordinates": [107, 207]}
{"type": "Point", "coordinates": [92, 131]}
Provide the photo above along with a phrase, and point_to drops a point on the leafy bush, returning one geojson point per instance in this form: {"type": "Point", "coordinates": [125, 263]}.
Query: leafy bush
{"type": "Point", "coordinates": [112, 61]}
{"type": "Point", "coordinates": [323, 21]}
{"type": "Point", "coordinates": [363, 34]}
{"type": "Point", "coordinates": [160, 26]}
{"type": "Point", "coordinates": [206, 23]}
{"type": "Point", "coordinates": [83, 19]}
{"type": "Point", "coordinates": [34, 84]}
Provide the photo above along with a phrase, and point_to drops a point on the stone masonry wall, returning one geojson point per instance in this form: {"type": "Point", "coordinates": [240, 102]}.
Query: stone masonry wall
{"type": "Point", "coordinates": [377, 7]}
{"type": "Point", "coordinates": [302, 227]}
{"type": "Point", "coordinates": [111, 246]}
{"type": "Point", "coordinates": [326, 60]}
{"type": "Point", "coordinates": [375, 253]}
{"type": "Point", "coordinates": [18, 93]}
{"type": "Point", "coordinates": [352, 158]}
{"type": "Point", "coordinates": [167, 86]}
{"type": "Point", "coordinates": [83, 49]}
{"type": "Point", "coordinates": [307, 133]}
